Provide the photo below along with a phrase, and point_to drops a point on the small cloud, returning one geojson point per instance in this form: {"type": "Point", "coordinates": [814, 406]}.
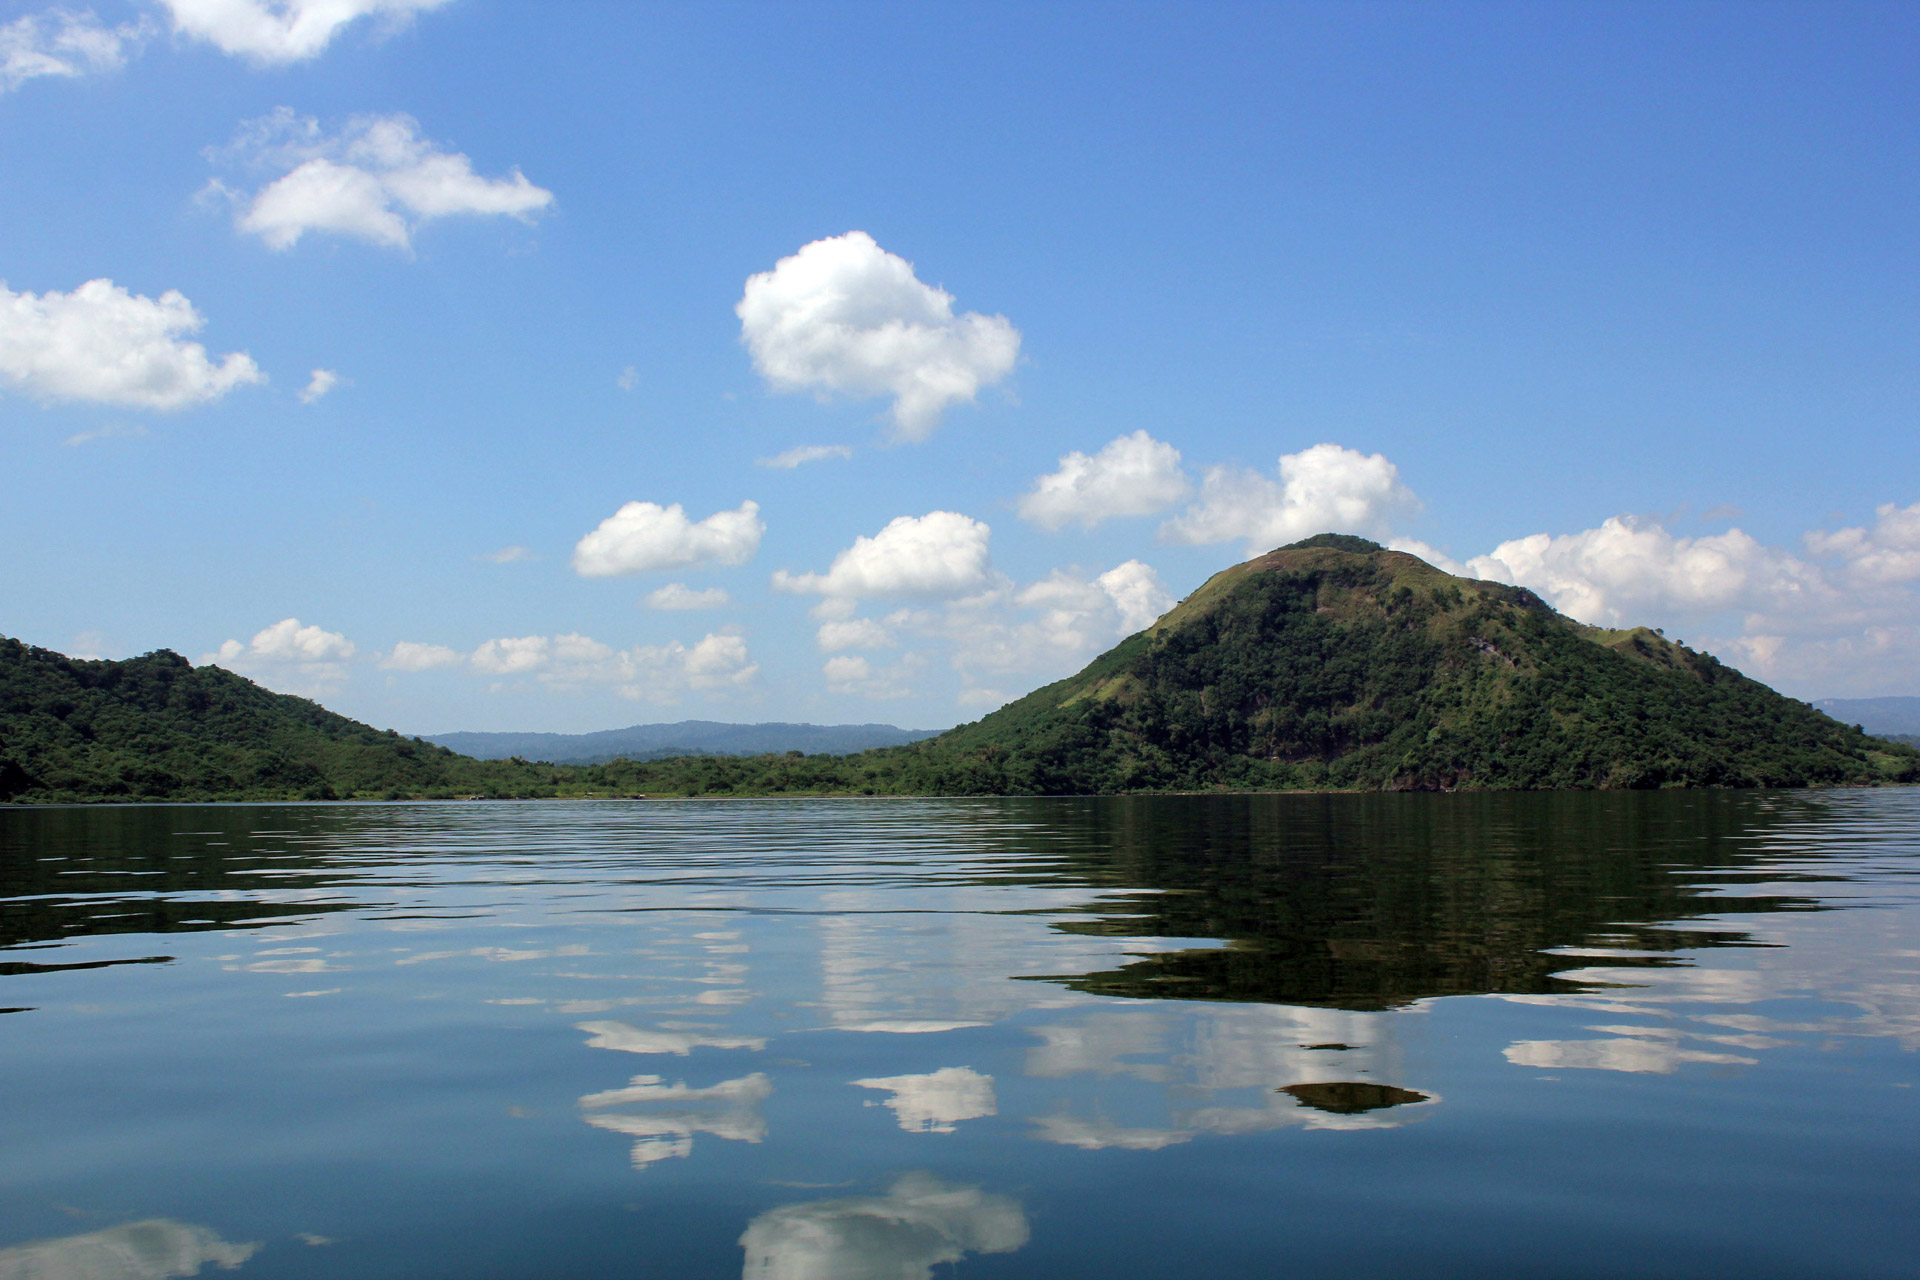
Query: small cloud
{"type": "Point", "coordinates": [376, 179]}
{"type": "Point", "coordinates": [66, 45]}
{"type": "Point", "coordinates": [1725, 511]}
{"type": "Point", "coordinates": [942, 553]}
{"type": "Point", "coordinates": [508, 555]}
{"type": "Point", "coordinates": [89, 646]}
{"type": "Point", "coordinates": [289, 657]}
{"type": "Point", "coordinates": [269, 32]}
{"type": "Point", "coordinates": [411, 656]}
{"type": "Point", "coordinates": [629, 378]}
{"type": "Point", "coordinates": [1135, 475]}
{"type": "Point", "coordinates": [113, 431]}
{"type": "Point", "coordinates": [678, 596]}
{"type": "Point", "coordinates": [323, 381]}
{"type": "Point", "coordinates": [844, 315]}
{"type": "Point", "coordinates": [104, 345]}
{"type": "Point", "coordinates": [805, 453]}
{"type": "Point", "coordinates": [645, 536]}
{"type": "Point", "coordinates": [986, 699]}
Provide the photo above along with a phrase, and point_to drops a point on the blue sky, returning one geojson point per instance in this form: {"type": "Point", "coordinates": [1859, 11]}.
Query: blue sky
{"type": "Point", "coordinates": [1616, 301]}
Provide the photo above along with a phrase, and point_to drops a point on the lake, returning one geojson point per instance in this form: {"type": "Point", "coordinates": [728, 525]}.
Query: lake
{"type": "Point", "coordinates": [1567, 1035]}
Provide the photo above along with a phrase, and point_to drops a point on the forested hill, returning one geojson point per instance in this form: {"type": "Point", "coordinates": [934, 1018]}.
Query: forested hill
{"type": "Point", "coordinates": [1329, 664]}
{"type": "Point", "coordinates": [158, 728]}
{"type": "Point", "coordinates": [1336, 663]}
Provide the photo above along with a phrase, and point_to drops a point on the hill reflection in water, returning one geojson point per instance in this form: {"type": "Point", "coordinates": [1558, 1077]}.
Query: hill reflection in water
{"type": "Point", "coordinates": [1373, 902]}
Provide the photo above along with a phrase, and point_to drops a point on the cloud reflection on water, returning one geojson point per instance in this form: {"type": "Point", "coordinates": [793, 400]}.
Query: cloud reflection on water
{"type": "Point", "coordinates": [919, 1224]}
{"type": "Point", "coordinates": [156, 1249]}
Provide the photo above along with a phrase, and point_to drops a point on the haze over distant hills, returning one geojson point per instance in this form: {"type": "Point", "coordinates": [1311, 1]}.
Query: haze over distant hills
{"type": "Point", "coordinates": [685, 738]}
{"type": "Point", "coordinates": [1899, 716]}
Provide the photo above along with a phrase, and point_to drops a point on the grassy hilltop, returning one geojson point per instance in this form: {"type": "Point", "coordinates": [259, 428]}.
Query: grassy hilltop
{"type": "Point", "coordinates": [1329, 664]}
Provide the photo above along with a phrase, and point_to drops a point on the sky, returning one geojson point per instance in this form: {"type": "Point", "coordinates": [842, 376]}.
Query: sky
{"type": "Point", "coordinates": [475, 365]}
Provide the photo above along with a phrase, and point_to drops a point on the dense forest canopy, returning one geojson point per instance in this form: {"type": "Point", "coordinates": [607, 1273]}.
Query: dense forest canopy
{"type": "Point", "coordinates": [1328, 664]}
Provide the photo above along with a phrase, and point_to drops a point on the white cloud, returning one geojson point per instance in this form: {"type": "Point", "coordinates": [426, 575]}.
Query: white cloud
{"type": "Point", "coordinates": [629, 378]}
{"type": "Point", "coordinates": [289, 657]}
{"type": "Point", "coordinates": [152, 1249]}
{"type": "Point", "coordinates": [845, 316]}
{"type": "Point", "coordinates": [1627, 571]}
{"type": "Point", "coordinates": [322, 381]}
{"type": "Point", "coordinates": [509, 555]}
{"type": "Point", "coordinates": [918, 1225]}
{"type": "Point", "coordinates": [852, 633]}
{"type": "Point", "coordinates": [804, 454]}
{"type": "Point", "coordinates": [854, 676]}
{"type": "Point", "coordinates": [376, 179]}
{"type": "Point", "coordinates": [1839, 618]}
{"type": "Point", "coordinates": [679, 596]}
{"type": "Point", "coordinates": [1050, 628]}
{"type": "Point", "coordinates": [942, 553]}
{"type": "Point", "coordinates": [938, 1100]}
{"type": "Point", "coordinates": [411, 656]}
{"type": "Point", "coordinates": [282, 31]}
{"type": "Point", "coordinates": [717, 662]}
{"type": "Point", "coordinates": [104, 345]}
{"type": "Point", "coordinates": [731, 1111]}
{"type": "Point", "coordinates": [645, 536]}
{"type": "Point", "coordinates": [1888, 554]}
{"type": "Point", "coordinates": [1324, 489]}
{"type": "Point", "coordinates": [65, 44]}
{"type": "Point", "coordinates": [112, 431]}
{"type": "Point", "coordinates": [1134, 475]}
{"type": "Point", "coordinates": [513, 655]}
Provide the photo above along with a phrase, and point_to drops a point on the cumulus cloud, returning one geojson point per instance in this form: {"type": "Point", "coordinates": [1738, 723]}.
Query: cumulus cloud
{"type": "Point", "coordinates": [942, 553]}
{"type": "Point", "coordinates": [921, 1223]}
{"type": "Point", "coordinates": [836, 634]}
{"type": "Point", "coordinates": [1840, 616]}
{"type": "Point", "coordinates": [1887, 554]}
{"type": "Point", "coordinates": [1051, 627]}
{"type": "Point", "coordinates": [718, 662]}
{"type": "Point", "coordinates": [410, 656]}
{"type": "Point", "coordinates": [376, 179]}
{"type": "Point", "coordinates": [322, 381]}
{"type": "Point", "coordinates": [289, 656]}
{"type": "Point", "coordinates": [153, 1249]}
{"type": "Point", "coordinates": [804, 454]}
{"type": "Point", "coordinates": [101, 344]}
{"type": "Point", "coordinates": [678, 596]}
{"type": "Point", "coordinates": [283, 31]}
{"type": "Point", "coordinates": [1324, 489]}
{"type": "Point", "coordinates": [856, 676]}
{"type": "Point", "coordinates": [845, 316]}
{"type": "Point", "coordinates": [645, 536]}
{"type": "Point", "coordinates": [1134, 475]}
{"type": "Point", "coordinates": [1626, 571]}
{"type": "Point", "coordinates": [64, 44]}
{"type": "Point", "coordinates": [938, 1100]}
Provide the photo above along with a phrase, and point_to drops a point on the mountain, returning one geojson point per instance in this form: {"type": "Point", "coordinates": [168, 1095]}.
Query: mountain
{"type": "Point", "coordinates": [1336, 663]}
{"type": "Point", "coordinates": [157, 727]}
{"type": "Point", "coordinates": [1882, 716]}
{"type": "Point", "coordinates": [686, 738]}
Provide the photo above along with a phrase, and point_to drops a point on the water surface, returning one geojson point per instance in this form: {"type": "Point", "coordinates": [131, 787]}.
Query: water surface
{"type": "Point", "coordinates": [1556, 1036]}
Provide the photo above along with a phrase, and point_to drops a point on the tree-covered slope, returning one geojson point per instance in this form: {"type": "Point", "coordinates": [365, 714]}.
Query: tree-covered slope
{"type": "Point", "coordinates": [158, 728]}
{"type": "Point", "coordinates": [1335, 663]}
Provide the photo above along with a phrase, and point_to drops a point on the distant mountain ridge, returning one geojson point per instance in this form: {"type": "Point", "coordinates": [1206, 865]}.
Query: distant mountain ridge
{"type": "Point", "coordinates": [1881, 716]}
{"type": "Point", "coordinates": [683, 738]}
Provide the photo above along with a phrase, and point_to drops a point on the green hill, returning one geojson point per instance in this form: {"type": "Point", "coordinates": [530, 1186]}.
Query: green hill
{"type": "Point", "coordinates": [1336, 663]}
{"type": "Point", "coordinates": [1329, 664]}
{"type": "Point", "coordinates": [158, 728]}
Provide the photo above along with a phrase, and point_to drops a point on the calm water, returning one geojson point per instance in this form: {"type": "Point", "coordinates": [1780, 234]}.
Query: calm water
{"type": "Point", "coordinates": [1554, 1036]}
